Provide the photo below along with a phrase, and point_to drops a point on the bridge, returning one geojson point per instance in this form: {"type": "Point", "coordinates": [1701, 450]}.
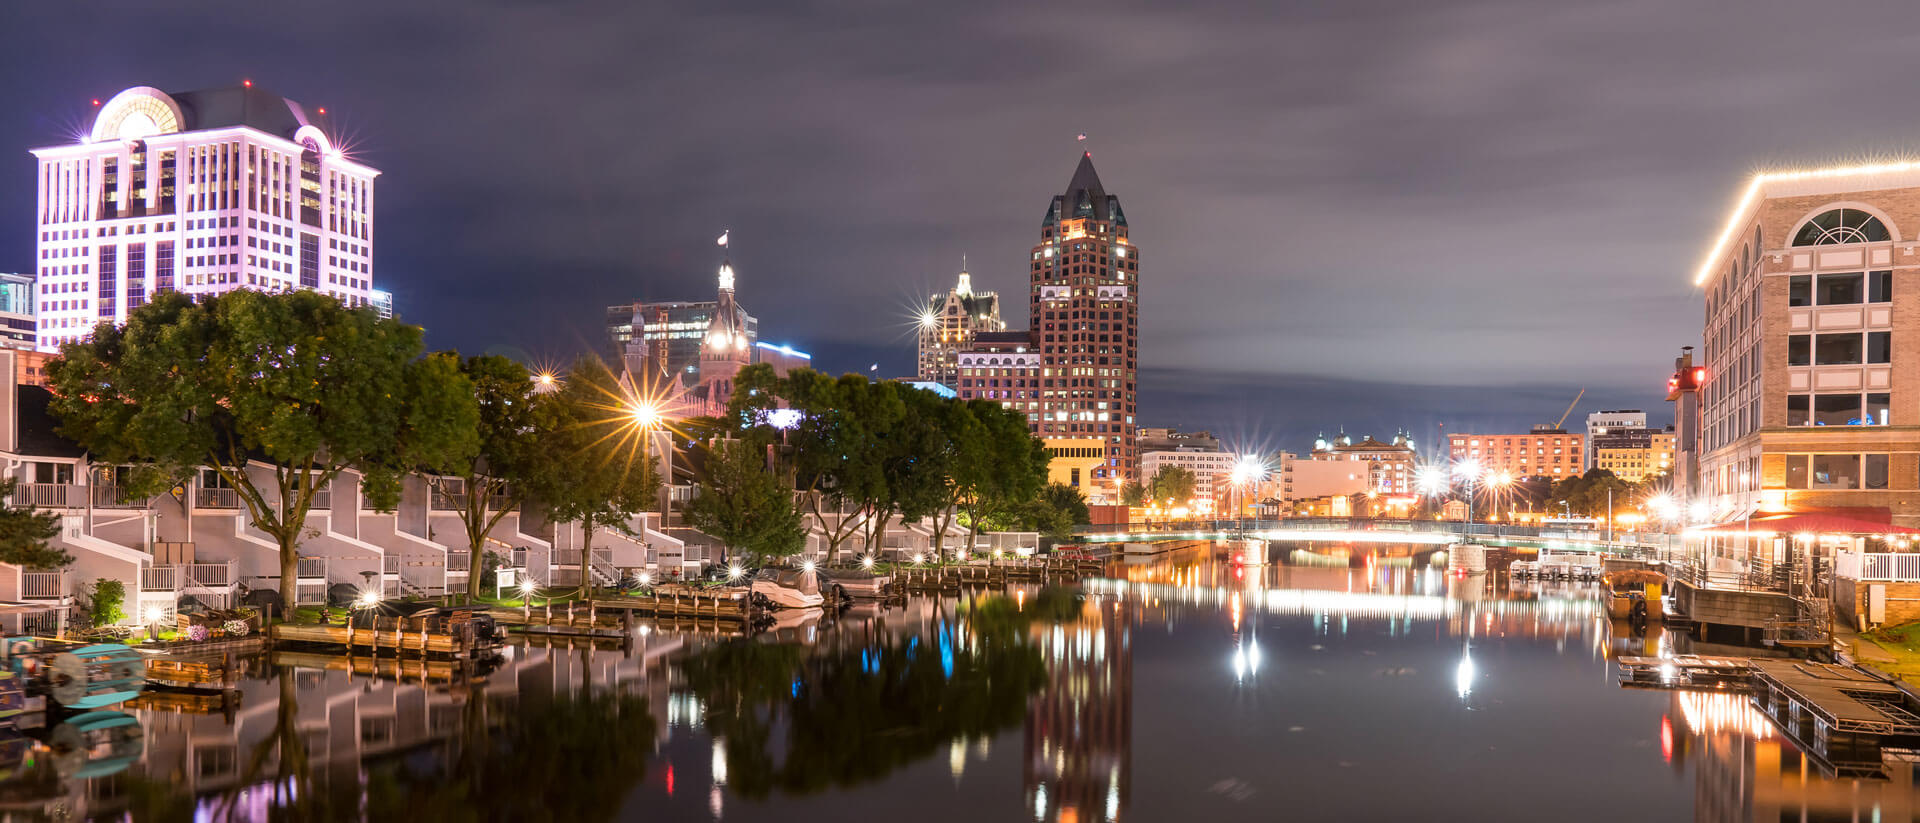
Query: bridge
{"type": "Point", "coordinates": [1372, 530]}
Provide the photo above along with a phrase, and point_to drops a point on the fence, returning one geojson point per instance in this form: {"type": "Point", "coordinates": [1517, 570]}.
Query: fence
{"type": "Point", "coordinates": [212, 575]}
{"type": "Point", "coordinates": [160, 579]}
{"type": "Point", "coordinates": [45, 495]}
{"type": "Point", "coordinates": [1898, 568]}
{"type": "Point", "coordinates": [207, 498]}
{"type": "Point", "coordinates": [115, 497]}
{"type": "Point", "coordinates": [458, 562]}
{"type": "Point", "coordinates": [312, 567]}
{"type": "Point", "coordinates": [43, 585]}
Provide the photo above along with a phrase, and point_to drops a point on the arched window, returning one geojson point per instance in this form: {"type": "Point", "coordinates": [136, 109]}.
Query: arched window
{"type": "Point", "coordinates": [1841, 226]}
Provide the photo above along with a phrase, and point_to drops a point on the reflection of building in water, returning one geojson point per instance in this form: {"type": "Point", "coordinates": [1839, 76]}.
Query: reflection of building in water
{"type": "Point", "coordinates": [1744, 770]}
{"type": "Point", "coordinates": [346, 718]}
{"type": "Point", "coordinates": [1079, 735]}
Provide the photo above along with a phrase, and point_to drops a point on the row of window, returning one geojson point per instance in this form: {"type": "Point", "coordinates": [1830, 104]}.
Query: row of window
{"type": "Point", "coordinates": [1837, 471]}
{"type": "Point", "coordinates": [1843, 349]}
{"type": "Point", "coordinates": [1850, 409]}
{"type": "Point", "coordinates": [1840, 289]}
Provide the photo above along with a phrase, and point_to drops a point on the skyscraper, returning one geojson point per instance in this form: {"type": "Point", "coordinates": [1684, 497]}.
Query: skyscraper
{"type": "Point", "coordinates": [200, 192]}
{"type": "Point", "coordinates": [948, 324]}
{"type": "Point", "coordinates": [1085, 318]}
{"type": "Point", "coordinates": [1075, 376]}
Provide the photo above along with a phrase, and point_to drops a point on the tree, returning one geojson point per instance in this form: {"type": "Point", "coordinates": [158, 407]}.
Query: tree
{"type": "Point", "coordinates": [109, 595]}
{"type": "Point", "coordinates": [1001, 470]}
{"type": "Point", "coordinates": [493, 476]}
{"type": "Point", "coordinates": [277, 394]}
{"type": "Point", "coordinates": [593, 468]}
{"type": "Point", "coordinates": [24, 533]}
{"type": "Point", "coordinates": [1056, 511]}
{"type": "Point", "coordinates": [1175, 483]}
{"type": "Point", "coordinates": [833, 452]}
{"type": "Point", "coordinates": [1133, 494]}
{"type": "Point", "coordinates": [745, 506]}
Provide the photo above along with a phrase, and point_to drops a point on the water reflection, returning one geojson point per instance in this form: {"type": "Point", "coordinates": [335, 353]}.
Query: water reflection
{"type": "Point", "coordinates": [1301, 689]}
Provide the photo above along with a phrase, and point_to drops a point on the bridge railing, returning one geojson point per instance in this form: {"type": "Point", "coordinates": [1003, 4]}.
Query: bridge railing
{"type": "Point", "coordinates": [1645, 541]}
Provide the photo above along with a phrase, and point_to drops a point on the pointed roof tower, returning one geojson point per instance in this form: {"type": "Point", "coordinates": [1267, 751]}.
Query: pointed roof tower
{"type": "Point", "coordinates": [1085, 197]}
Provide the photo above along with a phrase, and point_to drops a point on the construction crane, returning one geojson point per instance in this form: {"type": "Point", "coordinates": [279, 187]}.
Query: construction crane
{"type": "Point", "coordinates": [1563, 415]}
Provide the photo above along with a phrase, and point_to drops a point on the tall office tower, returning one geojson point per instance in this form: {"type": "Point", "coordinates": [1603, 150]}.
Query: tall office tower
{"type": "Point", "coordinates": [1085, 319]}
{"type": "Point", "coordinates": [201, 192]}
{"type": "Point", "coordinates": [948, 324]}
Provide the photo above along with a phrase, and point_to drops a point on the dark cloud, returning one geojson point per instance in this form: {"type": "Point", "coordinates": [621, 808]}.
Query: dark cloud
{"type": "Point", "coordinates": [1397, 195]}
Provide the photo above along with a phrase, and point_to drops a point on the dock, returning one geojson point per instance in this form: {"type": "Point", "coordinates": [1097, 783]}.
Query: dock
{"type": "Point", "coordinates": [1686, 671]}
{"type": "Point", "coordinates": [1844, 713]}
{"type": "Point", "coordinates": [423, 642]}
{"type": "Point", "coordinates": [400, 669]}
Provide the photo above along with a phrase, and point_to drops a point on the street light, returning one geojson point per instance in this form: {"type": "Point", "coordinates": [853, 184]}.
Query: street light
{"type": "Point", "coordinates": [1469, 470]}
{"type": "Point", "coordinates": [153, 615]}
{"type": "Point", "coordinates": [1249, 469]}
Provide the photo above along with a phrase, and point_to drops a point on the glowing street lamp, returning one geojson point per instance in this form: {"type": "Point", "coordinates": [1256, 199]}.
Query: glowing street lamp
{"type": "Point", "coordinates": [1470, 471]}
{"type": "Point", "coordinates": [1248, 470]}
{"type": "Point", "coordinates": [153, 615]}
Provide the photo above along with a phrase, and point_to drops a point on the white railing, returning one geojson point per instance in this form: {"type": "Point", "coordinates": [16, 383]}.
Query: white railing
{"type": "Point", "coordinates": [210, 575]}
{"type": "Point", "coordinates": [46, 495]}
{"type": "Point", "coordinates": [1897, 568]}
{"type": "Point", "coordinates": [459, 562]}
{"type": "Point", "coordinates": [115, 497]}
{"type": "Point", "coordinates": [217, 499]}
{"type": "Point", "coordinates": [312, 567]}
{"type": "Point", "coordinates": [390, 564]}
{"type": "Point", "coordinates": [43, 585]}
{"type": "Point", "coordinates": [160, 579]}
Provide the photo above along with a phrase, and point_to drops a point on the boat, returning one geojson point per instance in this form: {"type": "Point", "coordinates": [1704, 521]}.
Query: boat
{"type": "Point", "coordinates": [789, 588]}
{"type": "Point", "coordinates": [96, 744]}
{"type": "Point", "coordinates": [72, 675]}
{"type": "Point", "coordinates": [856, 583]}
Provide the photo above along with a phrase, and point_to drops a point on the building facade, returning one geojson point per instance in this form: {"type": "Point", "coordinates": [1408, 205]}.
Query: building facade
{"type": "Point", "coordinates": [1812, 305]}
{"type": "Point", "coordinates": [1212, 469]}
{"type": "Point", "coordinates": [1614, 429]}
{"type": "Point", "coordinates": [19, 302]}
{"type": "Point", "coordinates": [200, 192]}
{"type": "Point", "coordinates": [1544, 452]}
{"type": "Point", "coordinates": [1635, 464]}
{"type": "Point", "coordinates": [1389, 467]}
{"type": "Point", "coordinates": [666, 334]}
{"type": "Point", "coordinates": [948, 324]}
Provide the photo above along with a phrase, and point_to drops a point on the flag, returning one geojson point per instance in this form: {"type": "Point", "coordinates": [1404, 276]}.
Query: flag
{"type": "Point", "coordinates": [1083, 137]}
{"type": "Point", "coordinates": [874, 367]}
{"type": "Point", "coordinates": [723, 237]}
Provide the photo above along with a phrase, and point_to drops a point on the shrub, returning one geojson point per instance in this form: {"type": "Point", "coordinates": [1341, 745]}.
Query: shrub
{"type": "Point", "coordinates": [237, 628]}
{"type": "Point", "coordinates": [198, 633]}
{"type": "Point", "coordinates": [109, 595]}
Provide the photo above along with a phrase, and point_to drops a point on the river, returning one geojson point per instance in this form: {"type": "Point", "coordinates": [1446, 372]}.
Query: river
{"type": "Point", "coordinates": [1353, 683]}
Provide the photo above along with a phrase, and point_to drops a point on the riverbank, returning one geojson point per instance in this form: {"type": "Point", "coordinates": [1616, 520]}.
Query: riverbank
{"type": "Point", "coordinates": [1894, 650]}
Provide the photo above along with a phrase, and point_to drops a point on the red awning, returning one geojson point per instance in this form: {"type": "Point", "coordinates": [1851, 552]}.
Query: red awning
{"type": "Point", "coordinates": [1846, 520]}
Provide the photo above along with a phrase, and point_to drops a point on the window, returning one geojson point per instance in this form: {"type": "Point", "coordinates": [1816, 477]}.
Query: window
{"type": "Point", "coordinates": [1799, 349]}
{"type": "Point", "coordinates": [1796, 471]}
{"type": "Point", "coordinates": [1879, 347]}
{"type": "Point", "coordinates": [1842, 289]}
{"type": "Point", "coordinates": [1836, 349]}
{"type": "Point", "coordinates": [1800, 290]}
{"type": "Point", "coordinates": [1841, 226]}
{"type": "Point", "coordinates": [1878, 406]}
{"type": "Point", "coordinates": [1836, 409]}
{"type": "Point", "coordinates": [1880, 287]}
{"type": "Point", "coordinates": [1876, 471]}
{"type": "Point", "coordinates": [1835, 471]}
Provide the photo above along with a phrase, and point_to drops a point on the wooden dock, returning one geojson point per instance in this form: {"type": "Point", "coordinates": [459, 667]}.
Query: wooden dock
{"type": "Point", "coordinates": [952, 578]}
{"type": "Point", "coordinates": [1686, 671]}
{"type": "Point", "coordinates": [1843, 713]}
{"type": "Point", "coordinates": [423, 642]}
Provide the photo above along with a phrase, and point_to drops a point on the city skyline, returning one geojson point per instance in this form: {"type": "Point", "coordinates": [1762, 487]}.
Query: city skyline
{"type": "Point", "coordinates": [480, 188]}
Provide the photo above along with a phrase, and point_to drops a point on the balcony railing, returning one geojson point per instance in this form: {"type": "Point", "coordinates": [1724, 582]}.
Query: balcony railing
{"type": "Point", "coordinates": [115, 497]}
{"type": "Point", "coordinates": [312, 567]}
{"type": "Point", "coordinates": [212, 575]}
{"type": "Point", "coordinates": [43, 585]}
{"type": "Point", "coordinates": [207, 498]}
{"type": "Point", "coordinates": [448, 501]}
{"type": "Point", "coordinates": [390, 564]}
{"type": "Point", "coordinates": [1878, 566]}
{"type": "Point", "coordinates": [459, 563]}
{"type": "Point", "coordinates": [160, 579]}
{"type": "Point", "coordinates": [47, 495]}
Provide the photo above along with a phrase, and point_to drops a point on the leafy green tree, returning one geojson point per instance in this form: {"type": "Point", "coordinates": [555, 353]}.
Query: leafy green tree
{"type": "Point", "coordinates": [24, 532]}
{"type": "Point", "coordinates": [1001, 470]}
{"type": "Point", "coordinates": [1056, 511]}
{"type": "Point", "coordinates": [109, 598]}
{"type": "Point", "coordinates": [1133, 494]}
{"type": "Point", "coordinates": [1172, 483]}
{"type": "Point", "coordinates": [961, 435]}
{"type": "Point", "coordinates": [277, 394]}
{"type": "Point", "coordinates": [493, 477]}
{"type": "Point", "coordinates": [833, 451]}
{"type": "Point", "coordinates": [593, 469]}
{"type": "Point", "coordinates": [745, 506]}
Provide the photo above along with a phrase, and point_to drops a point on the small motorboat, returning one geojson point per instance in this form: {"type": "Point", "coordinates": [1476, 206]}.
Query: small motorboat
{"type": "Point", "coordinates": [858, 583]}
{"type": "Point", "coordinates": [789, 588]}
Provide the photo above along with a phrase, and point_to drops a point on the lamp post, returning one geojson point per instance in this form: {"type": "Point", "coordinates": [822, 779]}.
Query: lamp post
{"type": "Point", "coordinates": [646, 415]}
{"type": "Point", "coordinates": [1469, 470]}
{"type": "Point", "coordinates": [153, 615]}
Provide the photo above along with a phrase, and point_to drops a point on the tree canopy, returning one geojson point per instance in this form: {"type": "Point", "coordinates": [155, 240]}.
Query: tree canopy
{"type": "Point", "coordinates": [594, 467]}
{"type": "Point", "coordinates": [277, 393]}
{"type": "Point", "coordinates": [24, 533]}
{"type": "Point", "coordinates": [746, 507]}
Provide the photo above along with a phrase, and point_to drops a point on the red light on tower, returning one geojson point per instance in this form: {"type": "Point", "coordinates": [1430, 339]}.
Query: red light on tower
{"type": "Point", "coordinates": [247, 83]}
{"type": "Point", "coordinates": [323, 109]}
{"type": "Point", "coordinates": [96, 101]}
{"type": "Point", "coordinates": [1699, 376]}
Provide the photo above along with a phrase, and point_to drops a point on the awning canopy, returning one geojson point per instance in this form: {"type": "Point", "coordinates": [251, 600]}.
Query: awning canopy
{"type": "Point", "coordinates": [1854, 520]}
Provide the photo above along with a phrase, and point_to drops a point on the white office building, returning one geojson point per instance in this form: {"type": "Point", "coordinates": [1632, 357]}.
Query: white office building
{"type": "Point", "coordinates": [200, 192]}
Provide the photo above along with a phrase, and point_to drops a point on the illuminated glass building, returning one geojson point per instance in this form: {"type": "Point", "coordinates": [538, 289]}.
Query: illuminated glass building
{"type": "Point", "coordinates": [200, 192]}
{"type": "Point", "coordinates": [948, 324]}
{"type": "Point", "coordinates": [670, 333]}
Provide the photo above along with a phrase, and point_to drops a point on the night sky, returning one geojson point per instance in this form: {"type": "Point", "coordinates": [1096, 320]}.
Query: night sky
{"type": "Point", "coordinates": [1369, 214]}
